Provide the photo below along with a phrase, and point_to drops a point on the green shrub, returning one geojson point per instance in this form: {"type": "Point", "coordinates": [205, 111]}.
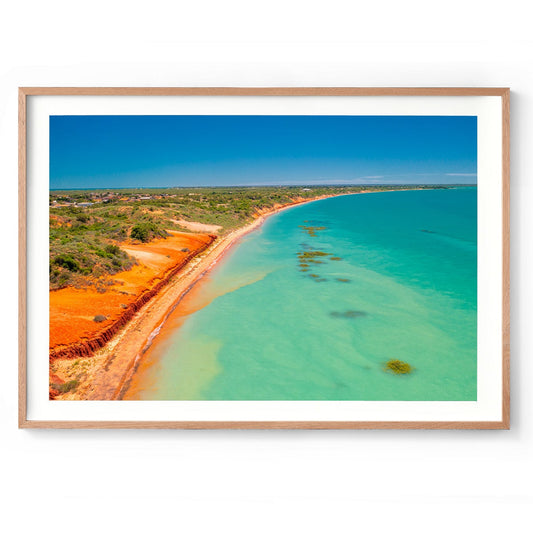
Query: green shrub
{"type": "Point", "coordinates": [66, 261]}
{"type": "Point", "coordinates": [146, 231]}
{"type": "Point", "coordinates": [140, 232]}
{"type": "Point", "coordinates": [112, 249]}
{"type": "Point", "coordinates": [61, 279]}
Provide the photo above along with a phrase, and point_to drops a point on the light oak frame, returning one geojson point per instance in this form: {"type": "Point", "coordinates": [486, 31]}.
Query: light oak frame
{"type": "Point", "coordinates": [504, 93]}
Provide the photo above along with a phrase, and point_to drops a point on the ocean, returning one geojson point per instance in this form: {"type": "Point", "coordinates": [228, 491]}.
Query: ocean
{"type": "Point", "coordinates": [313, 304]}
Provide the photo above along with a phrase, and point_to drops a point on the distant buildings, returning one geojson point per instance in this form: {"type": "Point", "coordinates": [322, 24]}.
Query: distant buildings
{"type": "Point", "coordinates": [104, 197]}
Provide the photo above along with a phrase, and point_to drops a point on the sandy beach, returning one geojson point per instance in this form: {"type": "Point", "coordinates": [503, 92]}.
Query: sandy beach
{"type": "Point", "coordinates": [107, 371]}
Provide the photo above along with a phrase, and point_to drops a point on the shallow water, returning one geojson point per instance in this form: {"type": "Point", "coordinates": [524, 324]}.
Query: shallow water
{"type": "Point", "coordinates": [260, 328]}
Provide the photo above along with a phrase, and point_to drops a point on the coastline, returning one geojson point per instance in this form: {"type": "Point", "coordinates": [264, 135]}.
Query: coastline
{"type": "Point", "coordinates": [70, 335]}
{"type": "Point", "coordinates": [113, 365]}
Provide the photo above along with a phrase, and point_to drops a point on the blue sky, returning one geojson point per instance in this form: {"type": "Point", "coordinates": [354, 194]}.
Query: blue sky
{"type": "Point", "coordinates": [165, 151]}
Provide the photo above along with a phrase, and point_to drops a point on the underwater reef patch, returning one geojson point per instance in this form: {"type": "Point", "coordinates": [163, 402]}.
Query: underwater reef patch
{"type": "Point", "coordinates": [347, 314]}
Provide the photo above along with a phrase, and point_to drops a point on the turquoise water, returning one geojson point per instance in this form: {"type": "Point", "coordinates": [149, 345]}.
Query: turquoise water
{"type": "Point", "coordinates": [408, 261]}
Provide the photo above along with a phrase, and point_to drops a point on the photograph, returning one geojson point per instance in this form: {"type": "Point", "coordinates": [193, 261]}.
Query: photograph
{"type": "Point", "coordinates": [263, 257]}
{"type": "Point", "coordinates": [266, 266]}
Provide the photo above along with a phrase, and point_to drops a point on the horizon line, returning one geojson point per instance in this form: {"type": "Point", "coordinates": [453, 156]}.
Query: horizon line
{"type": "Point", "coordinates": [268, 185]}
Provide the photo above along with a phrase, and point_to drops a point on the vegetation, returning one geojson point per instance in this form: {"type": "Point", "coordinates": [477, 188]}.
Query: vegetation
{"type": "Point", "coordinates": [83, 245]}
{"type": "Point", "coordinates": [147, 231]}
{"type": "Point", "coordinates": [68, 386]}
{"type": "Point", "coordinates": [309, 257]}
{"type": "Point", "coordinates": [398, 367]}
{"type": "Point", "coordinates": [87, 227]}
{"type": "Point", "coordinates": [311, 230]}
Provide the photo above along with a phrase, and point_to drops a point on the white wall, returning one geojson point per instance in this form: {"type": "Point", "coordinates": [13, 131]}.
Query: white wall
{"type": "Point", "coordinates": [266, 480]}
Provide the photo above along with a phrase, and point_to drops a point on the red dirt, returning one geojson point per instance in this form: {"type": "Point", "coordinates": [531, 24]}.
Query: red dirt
{"type": "Point", "coordinates": [73, 331]}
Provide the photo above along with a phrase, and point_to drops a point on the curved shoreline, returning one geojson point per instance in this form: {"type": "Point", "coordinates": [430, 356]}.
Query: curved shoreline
{"type": "Point", "coordinates": [117, 361]}
{"type": "Point", "coordinates": [86, 347]}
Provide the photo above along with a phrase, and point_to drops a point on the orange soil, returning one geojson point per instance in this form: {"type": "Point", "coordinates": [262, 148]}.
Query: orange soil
{"type": "Point", "coordinates": [72, 310]}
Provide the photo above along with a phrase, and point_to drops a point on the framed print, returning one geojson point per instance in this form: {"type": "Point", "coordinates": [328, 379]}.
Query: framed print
{"type": "Point", "coordinates": [264, 258]}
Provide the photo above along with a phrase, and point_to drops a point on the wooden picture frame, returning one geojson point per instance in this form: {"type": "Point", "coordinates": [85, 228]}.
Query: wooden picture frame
{"type": "Point", "coordinates": [24, 155]}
